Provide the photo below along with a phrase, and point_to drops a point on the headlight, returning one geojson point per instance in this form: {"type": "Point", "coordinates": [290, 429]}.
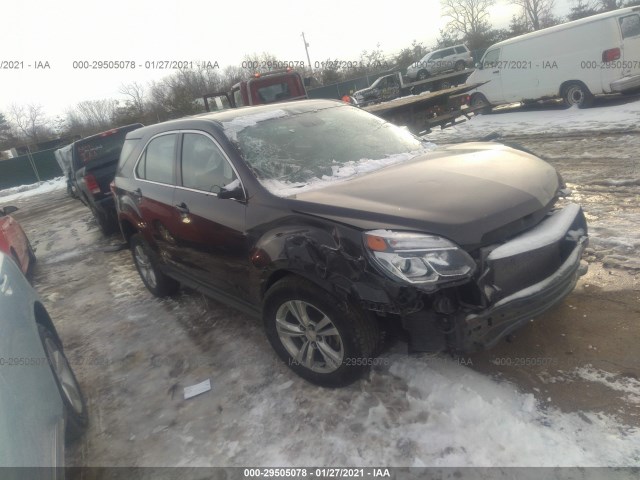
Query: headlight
{"type": "Point", "coordinates": [418, 258]}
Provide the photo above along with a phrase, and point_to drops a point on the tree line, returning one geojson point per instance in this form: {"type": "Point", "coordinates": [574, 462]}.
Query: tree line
{"type": "Point", "coordinates": [177, 94]}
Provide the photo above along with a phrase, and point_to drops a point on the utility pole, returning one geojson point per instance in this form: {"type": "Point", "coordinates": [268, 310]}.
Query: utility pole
{"type": "Point", "coordinates": [306, 49]}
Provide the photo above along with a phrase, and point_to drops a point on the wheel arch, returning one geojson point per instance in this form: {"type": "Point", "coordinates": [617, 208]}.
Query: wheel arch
{"type": "Point", "coordinates": [128, 229]}
{"type": "Point", "coordinates": [42, 317]}
{"type": "Point", "coordinates": [566, 83]}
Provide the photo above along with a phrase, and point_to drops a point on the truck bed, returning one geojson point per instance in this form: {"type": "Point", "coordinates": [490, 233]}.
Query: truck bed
{"type": "Point", "coordinates": [422, 112]}
{"type": "Point", "coordinates": [422, 99]}
{"type": "Point", "coordinates": [439, 78]}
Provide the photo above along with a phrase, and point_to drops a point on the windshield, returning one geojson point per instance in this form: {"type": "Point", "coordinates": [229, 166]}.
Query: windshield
{"type": "Point", "coordinates": [293, 150]}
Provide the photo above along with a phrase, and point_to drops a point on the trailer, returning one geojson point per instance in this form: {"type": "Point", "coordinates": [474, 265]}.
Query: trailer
{"type": "Point", "coordinates": [420, 113]}
{"type": "Point", "coordinates": [391, 86]}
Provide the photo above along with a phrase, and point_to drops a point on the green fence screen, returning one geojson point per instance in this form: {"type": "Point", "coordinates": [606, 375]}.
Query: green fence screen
{"type": "Point", "coordinates": [19, 170]}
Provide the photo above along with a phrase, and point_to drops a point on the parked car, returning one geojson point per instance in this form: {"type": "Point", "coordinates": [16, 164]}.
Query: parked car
{"type": "Point", "coordinates": [457, 57]}
{"type": "Point", "coordinates": [94, 161]}
{"type": "Point", "coordinates": [40, 400]}
{"type": "Point", "coordinates": [574, 61]}
{"type": "Point", "coordinates": [320, 218]}
{"type": "Point", "coordinates": [14, 242]}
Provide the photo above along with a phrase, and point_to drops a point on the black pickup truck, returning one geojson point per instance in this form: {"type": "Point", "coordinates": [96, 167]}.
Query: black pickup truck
{"type": "Point", "coordinates": [94, 160]}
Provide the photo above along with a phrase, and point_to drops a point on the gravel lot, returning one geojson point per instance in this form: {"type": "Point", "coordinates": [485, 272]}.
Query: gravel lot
{"type": "Point", "coordinates": [134, 354]}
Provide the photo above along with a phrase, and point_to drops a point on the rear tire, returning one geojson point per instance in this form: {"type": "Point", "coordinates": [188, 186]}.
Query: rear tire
{"type": "Point", "coordinates": [460, 65]}
{"type": "Point", "coordinates": [106, 221]}
{"type": "Point", "coordinates": [75, 405]}
{"type": "Point", "coordinates": [32, 259]}
{"type": "Point", "coordinates": [145, 261]}
{"type": "Point", "coordinates": [422, 75]}
{"type": "Point", "coordinates": [576, 93]}
{"type": "Point", "coordinates": [480, 101]}
{"type": "Point", "coordinates": [327, 342]}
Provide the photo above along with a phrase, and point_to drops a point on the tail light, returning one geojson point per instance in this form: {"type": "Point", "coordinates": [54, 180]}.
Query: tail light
{"type": "Point", "coordinates": [92, 184]}
{"type": "Point", "coordinates": [109, 132]}
{"type": "Point", "coordinates": [611, 55]}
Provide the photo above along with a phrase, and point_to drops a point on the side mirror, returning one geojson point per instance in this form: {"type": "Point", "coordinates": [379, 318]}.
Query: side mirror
{"type": "Point", "coordinates": [235, 193]}
{"type": "Point", "coordinates": [479, 66]}
{"type": "Point", "coordinates": [9, 209]}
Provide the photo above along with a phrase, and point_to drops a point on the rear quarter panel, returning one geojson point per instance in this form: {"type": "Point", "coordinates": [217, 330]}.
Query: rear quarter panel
{"type": "Point", "coordinates": [31, 410]}
{"type": "Point", "coordinates": [575, 54]}
{"type": "Point", "coordinates": [13, 241]}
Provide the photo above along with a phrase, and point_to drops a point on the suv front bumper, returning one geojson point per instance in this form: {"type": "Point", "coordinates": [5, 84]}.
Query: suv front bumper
{"type": "Point", "coordinates": [483, 330]}
{"type": "Point", "coordinates": [517, 281]}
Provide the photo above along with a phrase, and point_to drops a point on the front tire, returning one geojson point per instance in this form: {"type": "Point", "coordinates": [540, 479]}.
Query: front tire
{"type": "Point", "coordinates": [153, 278]}
{"type": "Point", "coordinates": [75, 405]}
{"type": "Point", "coordinates": [327, 342]}
{"type": "Point", "coordinates": [576, 93]}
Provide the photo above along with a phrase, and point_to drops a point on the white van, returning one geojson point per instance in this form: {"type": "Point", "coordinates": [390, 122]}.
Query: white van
{"type": "Point", "coordinates": [575, 61]}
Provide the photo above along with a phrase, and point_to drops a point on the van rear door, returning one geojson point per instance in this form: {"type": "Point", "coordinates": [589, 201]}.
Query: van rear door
{"type": "Point", "coordinates": [630, 30]}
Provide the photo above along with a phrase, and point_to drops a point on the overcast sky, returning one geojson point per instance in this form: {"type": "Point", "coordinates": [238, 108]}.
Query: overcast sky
{"type": "Point", "coordinates": [64, 31]}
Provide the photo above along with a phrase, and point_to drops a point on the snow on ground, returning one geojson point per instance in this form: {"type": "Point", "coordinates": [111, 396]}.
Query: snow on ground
{"type": "Point", "coordinates": [604, 118]}
{"type": "Point", "coordinates": [15, 193]}
{"type": "Point", "coordinates": [410, 411]}
{"type": "Point", "coordinates": [421, 412]}
{"type": "Point", "coordinates": [628, 385]}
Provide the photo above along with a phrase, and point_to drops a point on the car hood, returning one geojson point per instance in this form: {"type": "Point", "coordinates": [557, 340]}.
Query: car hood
{"type": "Point", "coordinates": [473, 194]}
{"type": "Point", "coordinates": [364, 91]}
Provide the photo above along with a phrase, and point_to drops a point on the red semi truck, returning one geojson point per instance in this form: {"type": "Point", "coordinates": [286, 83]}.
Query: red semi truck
{"type": "Point", "coordinates": [262, 88]}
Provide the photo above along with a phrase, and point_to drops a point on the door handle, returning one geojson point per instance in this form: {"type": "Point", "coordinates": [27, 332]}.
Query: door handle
{"type": "Point", "coordinates": [182, 208]}
{"type": "Point", "coordinates": [496, 71]}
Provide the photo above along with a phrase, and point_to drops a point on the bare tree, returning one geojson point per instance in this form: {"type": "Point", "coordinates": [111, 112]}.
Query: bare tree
{"type": "Point", "coordinates": [135, 96]}
{"type": "Point", "coordinates": [537, 12]}
{"type": "Point", "coordinates": [468, 18]}
{"type": "Point", "coordinates": [582, 9]}
{"type": "Point", "coordinates": [608, 5]}
{"type": "Point", "coordinates": [92, 116]}
{"type": "Point", "coordinates": [30, 120]}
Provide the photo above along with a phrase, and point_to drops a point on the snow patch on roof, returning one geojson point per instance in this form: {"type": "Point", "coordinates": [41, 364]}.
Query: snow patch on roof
{"type": "Point", "coordinates": [235, 126]}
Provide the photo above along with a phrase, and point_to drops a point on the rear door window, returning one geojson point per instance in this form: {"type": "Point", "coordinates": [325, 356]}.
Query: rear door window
{"type": "Point", "coordinates": [630, 26]}
{"type": "Point", "coordinates": [461, 50]}
{"type": "Point", "coordinates": [448, 52]}
{"type": "Point", "coordinates": [156, 162]}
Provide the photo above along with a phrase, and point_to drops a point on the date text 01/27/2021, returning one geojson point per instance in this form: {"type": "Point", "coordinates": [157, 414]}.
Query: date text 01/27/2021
{"type": "Point", "coordinates": [324, 472]}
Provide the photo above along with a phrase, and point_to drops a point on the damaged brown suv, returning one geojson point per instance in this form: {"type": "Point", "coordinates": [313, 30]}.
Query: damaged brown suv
{"type": "Point", "coordinates": [321, 219]}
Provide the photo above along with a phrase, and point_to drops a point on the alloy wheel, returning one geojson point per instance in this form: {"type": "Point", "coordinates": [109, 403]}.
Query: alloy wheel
{"type": "Point", "coordinates": [309, 336]}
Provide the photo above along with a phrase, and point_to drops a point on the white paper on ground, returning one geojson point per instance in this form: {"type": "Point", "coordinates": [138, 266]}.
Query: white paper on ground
{"type": "Point", "coordinates": [197, 389]}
